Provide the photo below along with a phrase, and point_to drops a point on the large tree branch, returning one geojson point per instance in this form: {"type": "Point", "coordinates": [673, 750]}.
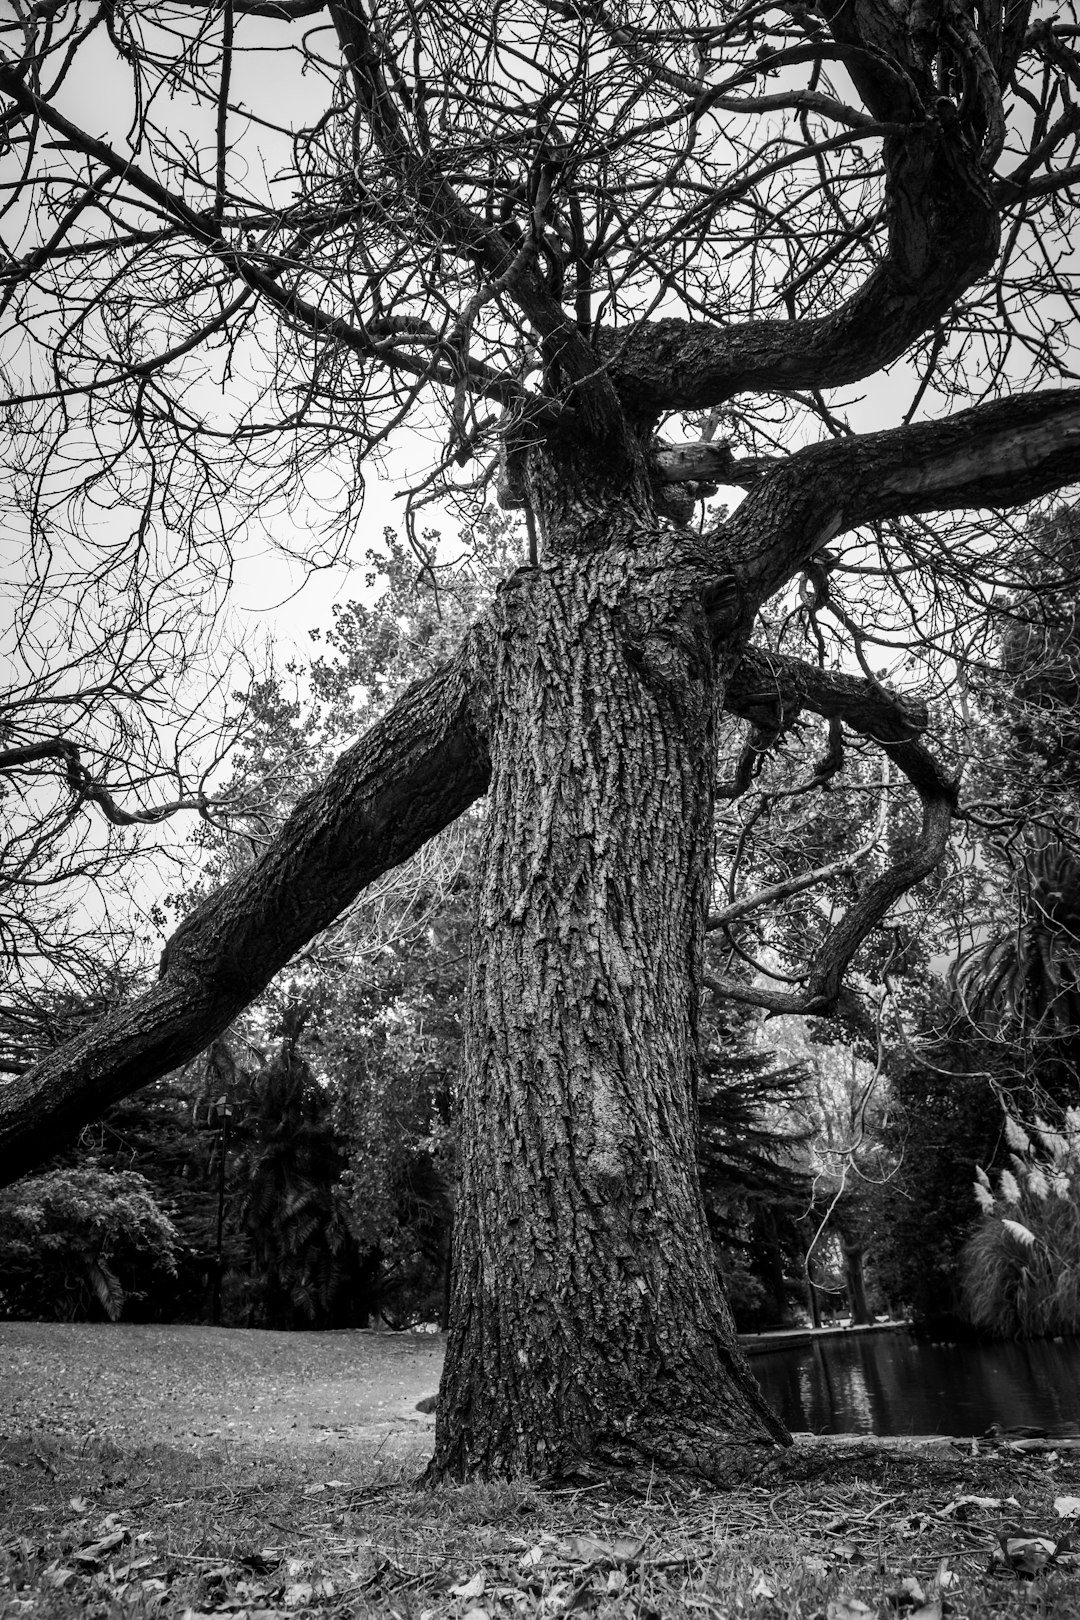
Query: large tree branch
{"type": "Point", "coordinates": [708, 462]}
{"type": "Point", "coordinates": [771, 690]}
{"type": "Point", "coordinates": [824, 987]}
{"type": "Point", "coordinates": [1001, 454]}
{"type": "Point", "coordinates": [411, 775]}
{"type": "Point", "coordinates": [943, 233]}
{"type": "Point", "coordinates": [942, 214]}
{"type": "Point", "coordinates": [774, 893]}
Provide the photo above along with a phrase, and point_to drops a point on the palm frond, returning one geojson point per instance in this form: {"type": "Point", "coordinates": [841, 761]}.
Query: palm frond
{"type": "Point", "coordinates": [1028, 978]}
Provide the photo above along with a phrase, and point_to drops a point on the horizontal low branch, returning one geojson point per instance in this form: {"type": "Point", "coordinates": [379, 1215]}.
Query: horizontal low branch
{"type": "Point", "coordinates": [411, 775]}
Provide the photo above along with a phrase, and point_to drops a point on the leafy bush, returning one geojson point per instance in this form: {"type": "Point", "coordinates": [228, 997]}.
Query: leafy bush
{"type": "Point", "coordinates": [73, 1243]}
{"type": "Point", "coordinates": [1022, 1263]}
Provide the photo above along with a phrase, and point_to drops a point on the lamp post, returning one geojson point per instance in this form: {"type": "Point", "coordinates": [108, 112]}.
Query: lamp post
{"type": "Point", "coordinates": [220, 1113]}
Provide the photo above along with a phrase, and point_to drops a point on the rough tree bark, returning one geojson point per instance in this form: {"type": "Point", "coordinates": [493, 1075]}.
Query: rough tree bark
{"type": "Point", "coordinates": [586, 1320]}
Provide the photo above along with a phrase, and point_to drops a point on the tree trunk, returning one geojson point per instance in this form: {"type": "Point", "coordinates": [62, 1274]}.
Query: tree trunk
{"type": "Point", "coordinates": [855, 1281]}
{"type": "Point", "coordinates": [813, 1297]}
{"type": "Point", "coordinates": [587, 1322]}
{"type": "Point", "coordinates": [775, 1280]}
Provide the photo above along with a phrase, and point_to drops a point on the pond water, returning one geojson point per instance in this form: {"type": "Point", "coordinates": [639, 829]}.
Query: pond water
{"type": "Point", "coordinates": [893, 1383]}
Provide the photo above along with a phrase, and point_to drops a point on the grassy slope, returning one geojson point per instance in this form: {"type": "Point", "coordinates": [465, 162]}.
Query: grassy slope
{"type": "Point", "coordinates": [116, 1500]}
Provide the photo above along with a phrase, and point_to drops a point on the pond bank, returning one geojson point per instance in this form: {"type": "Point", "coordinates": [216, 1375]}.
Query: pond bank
{"type": "Point", "coordinates": [757, 1344]}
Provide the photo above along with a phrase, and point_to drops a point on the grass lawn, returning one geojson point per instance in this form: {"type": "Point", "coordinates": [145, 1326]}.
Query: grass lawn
{"type": "Point", "coordinates": [191, 1471]}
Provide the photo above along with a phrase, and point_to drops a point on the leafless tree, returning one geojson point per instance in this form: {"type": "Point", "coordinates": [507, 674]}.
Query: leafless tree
{"type": "Point", "coordinates": [603, 258]}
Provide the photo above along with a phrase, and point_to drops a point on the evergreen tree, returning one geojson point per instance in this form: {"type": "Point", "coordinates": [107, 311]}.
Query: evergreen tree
{"type": "Point", "coordinates": [753, 1175]}
{"type": "Point", "coordinates": [308, 1270]}
{"type": "Point", "coordinates": [944, 1121]}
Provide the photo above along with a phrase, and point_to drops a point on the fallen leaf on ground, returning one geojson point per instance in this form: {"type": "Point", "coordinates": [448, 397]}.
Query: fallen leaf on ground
{"type": "Point", "coordinates": [260, 1563]}
{"type": "Point", "coordinates": [1030, 1555]}
{"type": "Point", "coordinates": [57, 1574]}
{"type": "Point", "coordinates": [130, 1569]}
{"type": "Point", "coordinates": [846, 1607]}
{"type": "Point", "coordinates": [912, 1524]}
{"type": "Point", "coordinates": [1068, 1507]}
{"type": "Point", "coordinates": [301, 1593]}
{"type": "Point", "coordinates": [583, 1549]}
{"type": "Point", "coordinates": [989, 1503]}
{"type": "Point", "coordinates": [907, 1592]}
{"type": "Point", "coordinates": [586, 1550]}
{"type": "Point", "coordinates": [472, 1588]}
{"type": "Point", "coordinates": [946, 1577]}
{"type": "Point", "coordinates": [95, 1551]}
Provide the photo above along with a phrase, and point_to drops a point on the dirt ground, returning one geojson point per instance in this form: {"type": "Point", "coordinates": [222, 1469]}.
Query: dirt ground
{"type": "Point", "coordinates": [201, 1386]}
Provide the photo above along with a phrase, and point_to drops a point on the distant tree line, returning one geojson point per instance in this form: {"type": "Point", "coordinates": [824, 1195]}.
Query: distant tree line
{"type": "Point", "coordinates": [308, 1183]}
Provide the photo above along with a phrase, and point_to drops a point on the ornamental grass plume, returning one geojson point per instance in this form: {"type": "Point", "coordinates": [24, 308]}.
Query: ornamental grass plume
{"type": "Point", "coordinates": [1021, 1265]}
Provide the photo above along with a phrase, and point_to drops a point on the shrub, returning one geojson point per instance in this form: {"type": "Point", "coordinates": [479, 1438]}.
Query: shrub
{"type": "Point", "coordinates": [1022, 1262]}
{"type": "Point", "coordinates": [73, 1243]}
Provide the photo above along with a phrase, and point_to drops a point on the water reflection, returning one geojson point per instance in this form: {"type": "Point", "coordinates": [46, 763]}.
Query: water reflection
{"type": "Point", "coordinates": [891, 1383]}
